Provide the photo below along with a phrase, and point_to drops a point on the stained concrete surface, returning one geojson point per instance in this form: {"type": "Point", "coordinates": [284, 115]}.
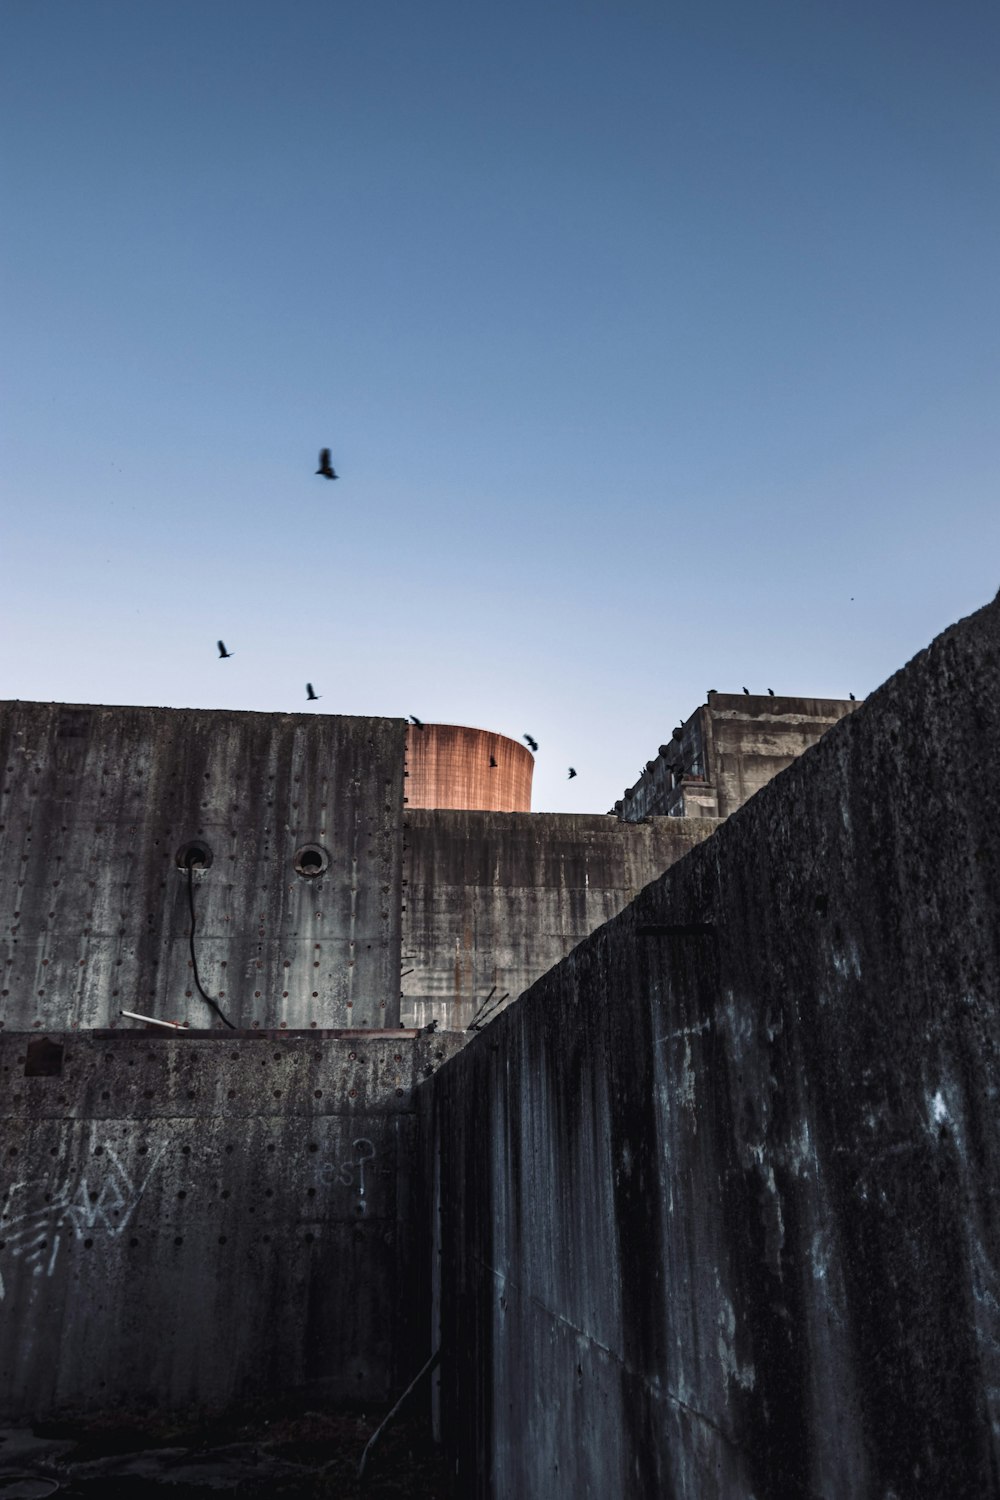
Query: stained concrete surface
{"type": "Point", "coordinates": [188, 1222]}
{"type": "Point", "coordinates": [717, 1202]}
{"type": "Point", "coordinates": [493, 900]}
{"type": "Point", "coordinates": [95, 804]}
{"type": "Point", "coordinates": [728, 748]}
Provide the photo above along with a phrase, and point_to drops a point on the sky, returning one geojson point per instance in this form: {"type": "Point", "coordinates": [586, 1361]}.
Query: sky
{"type": "Point", "coordinates": [656, 346]}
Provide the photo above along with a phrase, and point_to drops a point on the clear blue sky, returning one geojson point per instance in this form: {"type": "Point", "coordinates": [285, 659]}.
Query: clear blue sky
{"type": "Point", "coordinates": [656, 345]}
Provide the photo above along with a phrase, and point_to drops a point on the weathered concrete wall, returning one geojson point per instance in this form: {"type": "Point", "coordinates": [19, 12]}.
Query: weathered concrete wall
{"type": "Point", "coordinates": [677, 782]}
{"type": "Point", "coordinates": [750, 739]}
{"type": "Point", "coordinates": [190, 1222]}
{"type": "Point", "coordinates": [718, 1208]}
{"type": "Point", "coordinates": [493, 900]}
{"type": "Point", "coordinates": [728, 749]}
{"type": "Point", "coordinates": [95, 804]}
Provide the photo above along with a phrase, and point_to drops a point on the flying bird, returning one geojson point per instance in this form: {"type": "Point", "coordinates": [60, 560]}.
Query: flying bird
{"type": "Point", "coordinates": [313, 697]}
{"type": "Point", "coordinates": [223, 652]}
{"type": "Point", "coordinates": [532, 744]}
{"type": "Point", "coordinates": [572, 773]}
{"type": "Point", "coordinates": [325, 466]}
{"type": "Point", "coordinates": [493, 764]}
{"type": "Point", "coordinates": [416, 721]}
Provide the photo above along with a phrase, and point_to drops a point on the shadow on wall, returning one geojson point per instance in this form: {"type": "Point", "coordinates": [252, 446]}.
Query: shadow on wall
{"type": "Point", "coordinates": [718, 1203]}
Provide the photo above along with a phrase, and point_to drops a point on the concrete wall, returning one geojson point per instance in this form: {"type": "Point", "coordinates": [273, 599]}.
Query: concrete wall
{"type": "Point", "coordinates": [96, 802]}
{"type": "Point", "coordinates": [191, 1222]}
{"type": "Point", "coordinates": [448, 765]}
{"type": "Point", "coordinates": [493, 900]}
{"type": "Point", "coordinates": [718, 1203]}
{"type": "Point", "coordinates": [750, 739]}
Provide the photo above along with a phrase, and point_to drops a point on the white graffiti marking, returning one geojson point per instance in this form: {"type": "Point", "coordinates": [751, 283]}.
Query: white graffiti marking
{"type": "Point", "coordinates": [34, 1219]}
{"type": "Point", "coordinates": [344, 1171]}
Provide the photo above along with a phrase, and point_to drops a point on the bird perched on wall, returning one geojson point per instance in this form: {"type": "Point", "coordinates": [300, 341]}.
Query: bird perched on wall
{"type": "Point", "coordinates": [313, 697]}
{"type": "Point", "coordinates": [222, 650]}
{"type": "Point", "coordinates": [747, 691]}
{"type": "Point", "coordinates": [770, 692]}
{"type": "Point", "coordinates": [532, 744]}
{"type": "Point", "coordinates": [415, 721]}
{"type": "Point", "coordinates": [852, 697]}
{"type": "Point", "coordinates": [325, 466]}
{"type": "Point", "coordinates": [572, 773]}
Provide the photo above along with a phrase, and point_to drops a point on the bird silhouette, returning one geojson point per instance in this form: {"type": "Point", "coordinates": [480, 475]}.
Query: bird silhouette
{"type": "Point", "coordinates": [532, 744]}
{"type": "Point", "coordinates": [313, 697]}
{"type": "Point", "coordinates": [770, 692]}
{"type": "Point", "coordinates": [852, 698]}
{"type": "Point", "coordinates": [325, 466]}
{"type": "Point", "coordinates": [493, 764]}
{"type": "Point", "coordinates": [415, 721]}
{"type": "Point", "coordinates": [747, 691]}
{"type": "Point", "coordinates": [572, 773]}
{"type": "Point", "coordinates": [222, 650]}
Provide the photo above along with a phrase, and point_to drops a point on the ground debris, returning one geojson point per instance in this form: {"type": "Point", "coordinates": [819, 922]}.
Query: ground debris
{"type": "Point", "coordinates": [291, 1455]}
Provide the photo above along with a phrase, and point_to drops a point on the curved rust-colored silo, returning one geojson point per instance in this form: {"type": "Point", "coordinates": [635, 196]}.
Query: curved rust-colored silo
{"type": "Point", "coordinates": [449, 766]}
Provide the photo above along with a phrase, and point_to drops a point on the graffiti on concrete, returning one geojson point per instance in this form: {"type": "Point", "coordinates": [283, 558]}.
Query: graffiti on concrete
{"type": "Point", "coordinates": [99, 1201]}
{"type": "Point", "coordinates": [352, 1171]}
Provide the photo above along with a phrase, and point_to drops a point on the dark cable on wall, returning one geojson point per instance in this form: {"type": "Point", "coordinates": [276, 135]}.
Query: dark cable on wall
{"type": "Point", "coordinates": [194, 962]}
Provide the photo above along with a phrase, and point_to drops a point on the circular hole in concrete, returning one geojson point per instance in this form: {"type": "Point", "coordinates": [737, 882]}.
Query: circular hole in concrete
{"type": "Point", "coordinates": [311, 860]}
{"type": "Point", "coordinates": [194, 855]}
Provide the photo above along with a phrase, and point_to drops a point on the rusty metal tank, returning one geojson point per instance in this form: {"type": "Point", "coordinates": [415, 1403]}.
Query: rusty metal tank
{"type": "Point", "coordinates": [448, 765]}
